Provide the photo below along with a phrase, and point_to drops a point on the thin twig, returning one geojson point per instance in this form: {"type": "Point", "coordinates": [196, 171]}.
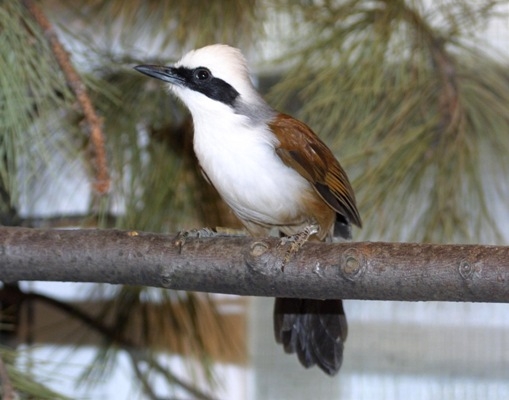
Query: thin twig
{"type": "Point", "coordinates": [142, 377]}
{"type": "Point", "coordinates": [8, 392]}
{"type": "Point", "coordinates": [449, 105]}
{"type": "Point", "coordinates": [136, 357]}
{"type": "Point", "coordinates": [73, 79]}
{"type": "Point", "coordinates": [93, 323]}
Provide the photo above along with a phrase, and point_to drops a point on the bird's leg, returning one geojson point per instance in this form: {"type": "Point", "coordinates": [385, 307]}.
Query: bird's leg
{"type": "Point", "coordinates": [297, 241]}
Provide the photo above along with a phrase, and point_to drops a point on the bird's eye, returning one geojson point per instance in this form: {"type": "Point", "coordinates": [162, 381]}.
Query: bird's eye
{"type": "Point", "coordinates": [202, 74]}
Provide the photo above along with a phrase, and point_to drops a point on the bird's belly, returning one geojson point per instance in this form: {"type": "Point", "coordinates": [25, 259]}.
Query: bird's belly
{"type": "Point", "coordinates": [267, 204]}
{"type": "Point", "coordinates": [260, 188]}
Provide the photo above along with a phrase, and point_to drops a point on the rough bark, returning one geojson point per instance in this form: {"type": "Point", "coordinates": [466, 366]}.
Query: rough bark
{"type": "Point", "coordinates": [246, 266]}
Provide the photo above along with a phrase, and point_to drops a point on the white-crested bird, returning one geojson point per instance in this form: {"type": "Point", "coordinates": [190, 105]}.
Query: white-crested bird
{"type": "Point", "coordinates": [274, 172]}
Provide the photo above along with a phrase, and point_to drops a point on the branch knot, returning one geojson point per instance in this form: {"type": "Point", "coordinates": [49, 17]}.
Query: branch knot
{"type": "Point", "coordinates": [256, 257]}
{"type": "Point", "coordinates": [353, 264]}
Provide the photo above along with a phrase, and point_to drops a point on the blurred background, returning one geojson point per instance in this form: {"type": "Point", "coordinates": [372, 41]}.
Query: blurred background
{"type": "Point", "coordinates": [412, 96]}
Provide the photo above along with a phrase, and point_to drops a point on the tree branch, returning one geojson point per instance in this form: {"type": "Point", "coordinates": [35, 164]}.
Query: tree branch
{"type": "Point", "coordinates": [102, 183]}
{"type": "Point", "coordinates": [247, 266]}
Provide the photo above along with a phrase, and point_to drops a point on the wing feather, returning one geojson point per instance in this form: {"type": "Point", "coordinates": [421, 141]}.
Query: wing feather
{"type": "Point", "coordinates": [301, 149]}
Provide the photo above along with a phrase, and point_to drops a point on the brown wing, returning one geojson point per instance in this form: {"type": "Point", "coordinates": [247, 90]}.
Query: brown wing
{"type": "Point", "coordinates": [301, 149]}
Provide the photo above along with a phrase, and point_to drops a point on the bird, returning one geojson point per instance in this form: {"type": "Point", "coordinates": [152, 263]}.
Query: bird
{"type": "Point", "coordinates": [274, 172]}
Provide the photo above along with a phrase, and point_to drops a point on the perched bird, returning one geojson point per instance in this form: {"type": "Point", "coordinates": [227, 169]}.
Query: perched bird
{"type": "Point", "coordinates": [273, 171]}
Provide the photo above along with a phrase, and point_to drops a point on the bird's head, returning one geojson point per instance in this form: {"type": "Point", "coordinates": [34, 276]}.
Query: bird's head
{"type": "Point", "coordinates": [211, 78]}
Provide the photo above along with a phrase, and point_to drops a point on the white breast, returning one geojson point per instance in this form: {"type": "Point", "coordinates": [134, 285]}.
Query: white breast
{"type": "Point", "coordinates": [241, 163]}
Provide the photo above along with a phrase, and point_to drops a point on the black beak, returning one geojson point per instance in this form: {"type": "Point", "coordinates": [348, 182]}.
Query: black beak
{"type": "Point", "coordinates": [166, 74]}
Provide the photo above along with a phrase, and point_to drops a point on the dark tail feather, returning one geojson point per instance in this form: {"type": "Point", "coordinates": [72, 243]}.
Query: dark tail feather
{"type": "Point", "coordinates": [314, 329]}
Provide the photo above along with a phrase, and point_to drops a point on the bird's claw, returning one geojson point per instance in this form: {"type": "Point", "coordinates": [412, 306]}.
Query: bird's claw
{"type": "Point", "coordinates": [296, 242]}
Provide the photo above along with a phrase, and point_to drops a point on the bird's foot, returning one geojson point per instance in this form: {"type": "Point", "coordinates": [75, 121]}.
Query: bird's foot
{"type": "Point", "coordinates": [296, 242]}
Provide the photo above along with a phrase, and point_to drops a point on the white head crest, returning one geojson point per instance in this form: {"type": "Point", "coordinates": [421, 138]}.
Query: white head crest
{"type": "Point", "coordinates": [224, 62]}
